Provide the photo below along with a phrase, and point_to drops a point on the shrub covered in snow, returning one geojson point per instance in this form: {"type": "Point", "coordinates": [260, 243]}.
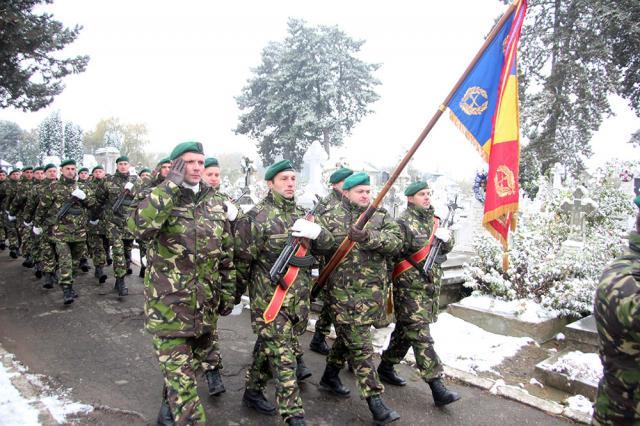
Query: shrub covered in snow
{"type": "Point", "coordinates": [539, 269]}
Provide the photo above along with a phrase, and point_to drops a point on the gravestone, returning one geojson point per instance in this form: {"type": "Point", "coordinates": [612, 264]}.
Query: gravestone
{"type": "Point", "coordinates": [577, 208]}
{"type": "Point", "coordinates": [107, 157]}
{"type": "Point", "coordinates": [557, 173]}
{"type": "Point", "coordinates": [313, 161]}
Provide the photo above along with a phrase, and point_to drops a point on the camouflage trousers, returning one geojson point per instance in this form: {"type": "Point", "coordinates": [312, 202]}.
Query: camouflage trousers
{"type": "Point", "coordinates": [98, 246]}
{"type": "Point", "coordinates": [69, 254]}
{"type": "Point", "coordinates": [13, 235]}
{"type": "Point", "coordinates": [416, 335]}
{"type": "Point", "coordinates": [323, 325]}
{"type": "Point", "coordinates": [274, 356]}
{"type": "Point", "coordinates": [180, 358]}
{"type": "Point", "coordinates": [618, 398]}
{"type": "Point", "coordinates": [47, 254]}
{"type": "Point", "coordinates": [120, 250]}
{"type": "Point", "coordinates": [26, 239]}
{"type": "Point", "coordinates": [353, 344]}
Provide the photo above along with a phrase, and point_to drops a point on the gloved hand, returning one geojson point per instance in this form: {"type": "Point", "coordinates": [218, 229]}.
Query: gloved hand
{"type": "Point", "coordinates": [358, 235]}
{"type": "Point", "coordinates": [443, 234]}
{"type": "Point", "coordinates": [225, 308]}
{"type": "Point", "coordinates": [305, 229]}
{"type": "Point", "coordinates": [176, 174]}
{"type": "Point", "coordinates": [232, 211]}
{"type": "Point", "coordinates": [440, 211]}
{"type": "Point", "coordinates": [94, 222]}
{"type": "Point", "coordinates": [79, 194]}
{"type": "Point", "coordinates": [11, 218]}
{"type": "Point", "coordinates": [36, 230]}
{"type": "Point", "coordinates": [27, 224]}
{"type": "Point", "coordinates": [128, 186]}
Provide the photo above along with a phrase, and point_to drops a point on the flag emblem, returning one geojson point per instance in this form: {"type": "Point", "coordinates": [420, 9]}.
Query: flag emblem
{"type": "Point", "coordinates": [475, 101]}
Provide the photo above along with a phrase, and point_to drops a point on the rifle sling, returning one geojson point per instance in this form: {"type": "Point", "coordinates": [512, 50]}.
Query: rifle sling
{"type": "Point", "coordinates": [416, 257]}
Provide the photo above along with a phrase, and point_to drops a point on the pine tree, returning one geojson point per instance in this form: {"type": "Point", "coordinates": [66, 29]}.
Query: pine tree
{"type": "Point", "coordinates": [73, 142]}
{"type": "Point", "coordinates": [51, 135]}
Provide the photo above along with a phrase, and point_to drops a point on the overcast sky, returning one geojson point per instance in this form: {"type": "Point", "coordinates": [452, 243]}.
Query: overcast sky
{"type": "Point", "coordinates": [177, 66]}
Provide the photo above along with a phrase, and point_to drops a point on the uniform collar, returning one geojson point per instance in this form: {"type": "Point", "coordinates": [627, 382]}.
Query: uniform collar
{"type": "Point", "coordinates": [420, 212]}
{"type": "Point", "coordinates": [286, 204]}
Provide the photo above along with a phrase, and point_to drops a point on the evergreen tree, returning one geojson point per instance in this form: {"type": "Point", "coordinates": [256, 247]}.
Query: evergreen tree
{"type": "Point", "coordinates": [309, 87]}
{"type": "Point", "coordinates": [51, 136]}
{"type": "Point", "coordinates": [73, 142]}
{"type": "Point", "coordinates": [10, 136]}
{"type": "Point", "coordinates": [29, 148]}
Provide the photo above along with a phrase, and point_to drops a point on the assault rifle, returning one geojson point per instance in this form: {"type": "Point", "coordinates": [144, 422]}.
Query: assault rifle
{"type": "Point", "coordinates": [434, 253]}
{"type": "Point", "coordinates": [118, 203]}
{"type": "Point", "coordinates": [287, 256]}
{"type": "Point", "coordinates": [65, 209]}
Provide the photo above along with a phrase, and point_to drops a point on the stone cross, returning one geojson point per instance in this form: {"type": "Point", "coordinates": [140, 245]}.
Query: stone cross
{"type": "Point", "coordinates": [578, 209]}
{"type": "Point", "coordinates": [313, 161]}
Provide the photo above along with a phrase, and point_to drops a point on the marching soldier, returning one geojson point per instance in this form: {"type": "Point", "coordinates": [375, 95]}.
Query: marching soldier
{"type": "Point", "coordinates": [28, 212]}
{"type": "Point", "coordinates": [190, 274]}
{"type": "Point", "coordinates": [83, 183]}
{"type": "Point", "coordinates": [83, 174]}
{"type": "Point", "coordinates": [12, 230]}
{"type": "Point", "coordinates": [260, 238]}
{"type": "Point", "coordinates": [323, 325]}
{"type": "Point", "coordinates": [97, 228]}
{"type": "Point", "coordinates": [145, 175]}
{"type": "Point", "coordinates": [16, 210]}
{"type": "Point", "coordinates": [356, 293]}
{"type": "Point", "coordinates": [416, 295]}
{"type": "Point", "coordinates": [42, 225]}
{"type": "Point", "coordinates": [3, 229]}
{"type": "Point", "coordinates": [68, 227]}
{"type": "Point", "coordinates": [617, 315]}
{"type": "Point", "coordinates": [121, 189]}
{"type": "Point", "coordinates": [211, 176]}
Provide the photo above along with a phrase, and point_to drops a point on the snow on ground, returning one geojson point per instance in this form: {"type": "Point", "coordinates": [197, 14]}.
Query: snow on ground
{"type": "Point", "coordinates": [580, 403]}
{"type": "Point", "coordinates": [18, 409]}
{"type": "Point", "coordinates": [462, 345]}
{"type": "Point", "coordinates": [577, 365]}
{"type": "Point", "coordinates": [523, 309]}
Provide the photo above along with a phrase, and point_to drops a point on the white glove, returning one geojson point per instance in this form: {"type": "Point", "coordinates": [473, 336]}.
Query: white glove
{"type": "Point", "coordinates": [11, 218]}
{"type": "Point", "coordinates": [94, 222]}
{"type": "Point", "coordinates": [305, 229]}
{"type": "Point", "coordinates": [37, 231]}
{"type": "Point", "coordinates": [27, 224]}
{"type": "Point", "coordinates": [440, 211]}
{"type": "Point", "coordinates": [443, 234]}
{"type": "Point", "coordinates": [128, 186]}
{"type": "Point", "coordinates": [232, 211]}
{"type": "Point", "coordinates": [79, 194]}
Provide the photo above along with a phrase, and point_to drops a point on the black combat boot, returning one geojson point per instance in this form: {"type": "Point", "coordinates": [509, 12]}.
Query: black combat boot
{"type": "Point", "coordinates": [100, 275]}
{"type": "Point", "coordinates": [49, 280]}
{"type": "Point", "coordinates": [84, 265]}
{"type": "Point", "coordinates": [214, 382]}
{"type": "Point", "coordinates": [129, 270]}
{"type": "Point", "coordinates": [3, 245]}
{"type": "Point", "coordinates": [381, 413]}
{"type": "Point", "coordinates": [28, 262]}
{"type": "Point", "coordinates": [302, 372]}
{"type": "Point", "coordinates": [319, 344]}
{"type": "Point", "coordinates": [442, 395]}
{"type": "Point", "coordinates": [165, 418]}
{"type": "Point", "coordinates": [109, 261]}
{"type": "Point", "coordinates": [296, 421]}
{"type": "Point", "coordinates": [143, 269]}
{"type": "Point", "coordinates": [330, 382]}
{"type": "Point", "coordinates": [255, 399]}
{"type": "Point", "coordinates": [13, 253]}
{"type": "Point", "coordinates": [67, 294]}
{"type": "Point", "coordinates": [38, 270]}
{"type": "Point", "coordinates": [388, 374]}
{"type": "Point", "coordinates": [121, 287]}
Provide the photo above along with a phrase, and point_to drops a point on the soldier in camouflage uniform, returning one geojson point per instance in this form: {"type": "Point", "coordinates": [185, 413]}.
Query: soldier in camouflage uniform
{"type": "Point", "coordinates": [121, 184]}
{"type": "Point", "coordinates": [211, 176]}
{"type": "Point", "coordinates": [83, 183]}
{"type": "Point", "coordinates": [3, 229]}
{"type": "Point", "coordinates": [32, 198]}
{"type": "Point", "coordinates": [191, 274]}
{"type": "Point", "coordinates": [16, 209]}
{"type": "Point", "coordinates": [617, 315]}
{"type": "Point", "coordinates": [323, 325]}
{"type": "Point", "coordinates": [416, 295]}
{"type": "Point", "coordinates": [46, 246]}
{"type": "Point", "coordinates": [357, 295]}
{"type": "Point", "coordinates": [12, 230]}
{"type": "Point", "coordinates": [260, 238]}
{"type": "Point", "coordinates": [97, 228]}
{"type": "Point", "coordinates": [68, 232]}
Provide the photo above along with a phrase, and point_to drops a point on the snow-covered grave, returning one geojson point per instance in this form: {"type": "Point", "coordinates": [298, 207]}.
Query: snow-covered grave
{"type": "Point", "coordinates": [574, 372]}
{"type": "Point", "coordinates": [582, 334]}
{"type": "Point", "coordinates": [517, 318]}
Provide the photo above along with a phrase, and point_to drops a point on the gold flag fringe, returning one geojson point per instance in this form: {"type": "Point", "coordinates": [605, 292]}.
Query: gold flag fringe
{"type": "Point", "coordinates": [469, 136]}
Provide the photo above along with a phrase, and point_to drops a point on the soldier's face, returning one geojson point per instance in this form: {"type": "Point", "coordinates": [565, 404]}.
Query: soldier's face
{"type": "Point", "coordinates": [211, 175]}
{"type": "Point", "coordinates": [421, 198]}
{"type": "Point", "coordinates": [28, 174]}
{"type": "Point", "coordinates": [3, 176]}
{"type": "Point", "coordinates": [38, 175]}
{"type": "Point", "coordinates": [194, 167]}
{"type": "Point", "coordinates": [52, 173]}
{"type": "Point", "coordinates": [83, 175]}
{"type": "Point", "coordinates": [165, 169]}
{"type": "Point", "coordinates": [69, 171]}
{"type": "Point", "coordinates": [14, 176]}
{"type": "Point", "coordinates": [284, 183]}
{"type": "Point", "coordinates": [338, 186]}
{"type": "Point", "coordinates": [123, 167]}
{"type": "Point", "coordinates": [360, 195]}
{"type": "Point", "coordinates": [98, 174]}
{"type": "Point", "coordinates": [145, 175]}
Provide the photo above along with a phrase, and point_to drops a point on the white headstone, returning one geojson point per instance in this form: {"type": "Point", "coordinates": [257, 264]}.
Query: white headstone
{"type": "Point", "coordinates": [313, 161]}
{"type": "Point", "coordinates": [557, 172]}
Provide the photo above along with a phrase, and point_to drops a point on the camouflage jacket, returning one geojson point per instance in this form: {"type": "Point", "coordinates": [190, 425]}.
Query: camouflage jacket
{"type": "Point", "coordinates": [329, 202]}
{"type": "Point", "coordinates": [357, 287]}
{"type": "Point", "coordinates": [11, 187]}
{"type": "Point", "coordinates": [617, 315]}
{"type": "Point", "coordinates": [114, 187]}
{"type": "Point", "coordinates": [260, 238]}
{"type": "Point", "coordinates": [72, 227]}
{"type": "Point", "coordinates": [20, 198]}
{"type": "Point", "coordinates": [190, 257]}
{"type": "Point", "coordinates": [33, 198]}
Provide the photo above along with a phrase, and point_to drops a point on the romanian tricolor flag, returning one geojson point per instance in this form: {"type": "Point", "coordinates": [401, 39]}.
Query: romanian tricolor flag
{"type": "Point", "coordinates": [485, 108]}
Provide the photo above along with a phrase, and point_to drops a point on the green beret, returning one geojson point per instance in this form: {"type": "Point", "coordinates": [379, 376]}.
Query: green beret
{"type": "Point", "coordinates": [356, 179]}
{"type": "Point", "coordinates": [145, 170]}
{"type": "Point", "coordinates": [413, 188]}
{"type": "Point", "coordinates": [339, 175]}
{"type": "Point", "coordinates": [98, 167]}
{"type": "Point", "coordinates": [84, 169]}
{"type": "Point", "coordinates": [275, 168]}
{"type": "Point", "coordinates": [68, 162]}
{"type": "Point", "coordinates": [14, 171]}
{"type": "Point", "coordinates": [164, 161]}
{"type": "Point", "coordinates": [637, 201]}
{"type": "Point", "coordinates": [185, 147]}
{"type": "Point", "coordinates": [24, 169]}
{"type": "Point", "coordinates": [211, 162]}
{"type": "Point", "coordinates": [122, 158]}
{"type": "Point", "coordinates": [3, 171]}
{"type": "Point", "coordinates": [35, 169]}
{"type": "Point", "coordinates": [50, 166]}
